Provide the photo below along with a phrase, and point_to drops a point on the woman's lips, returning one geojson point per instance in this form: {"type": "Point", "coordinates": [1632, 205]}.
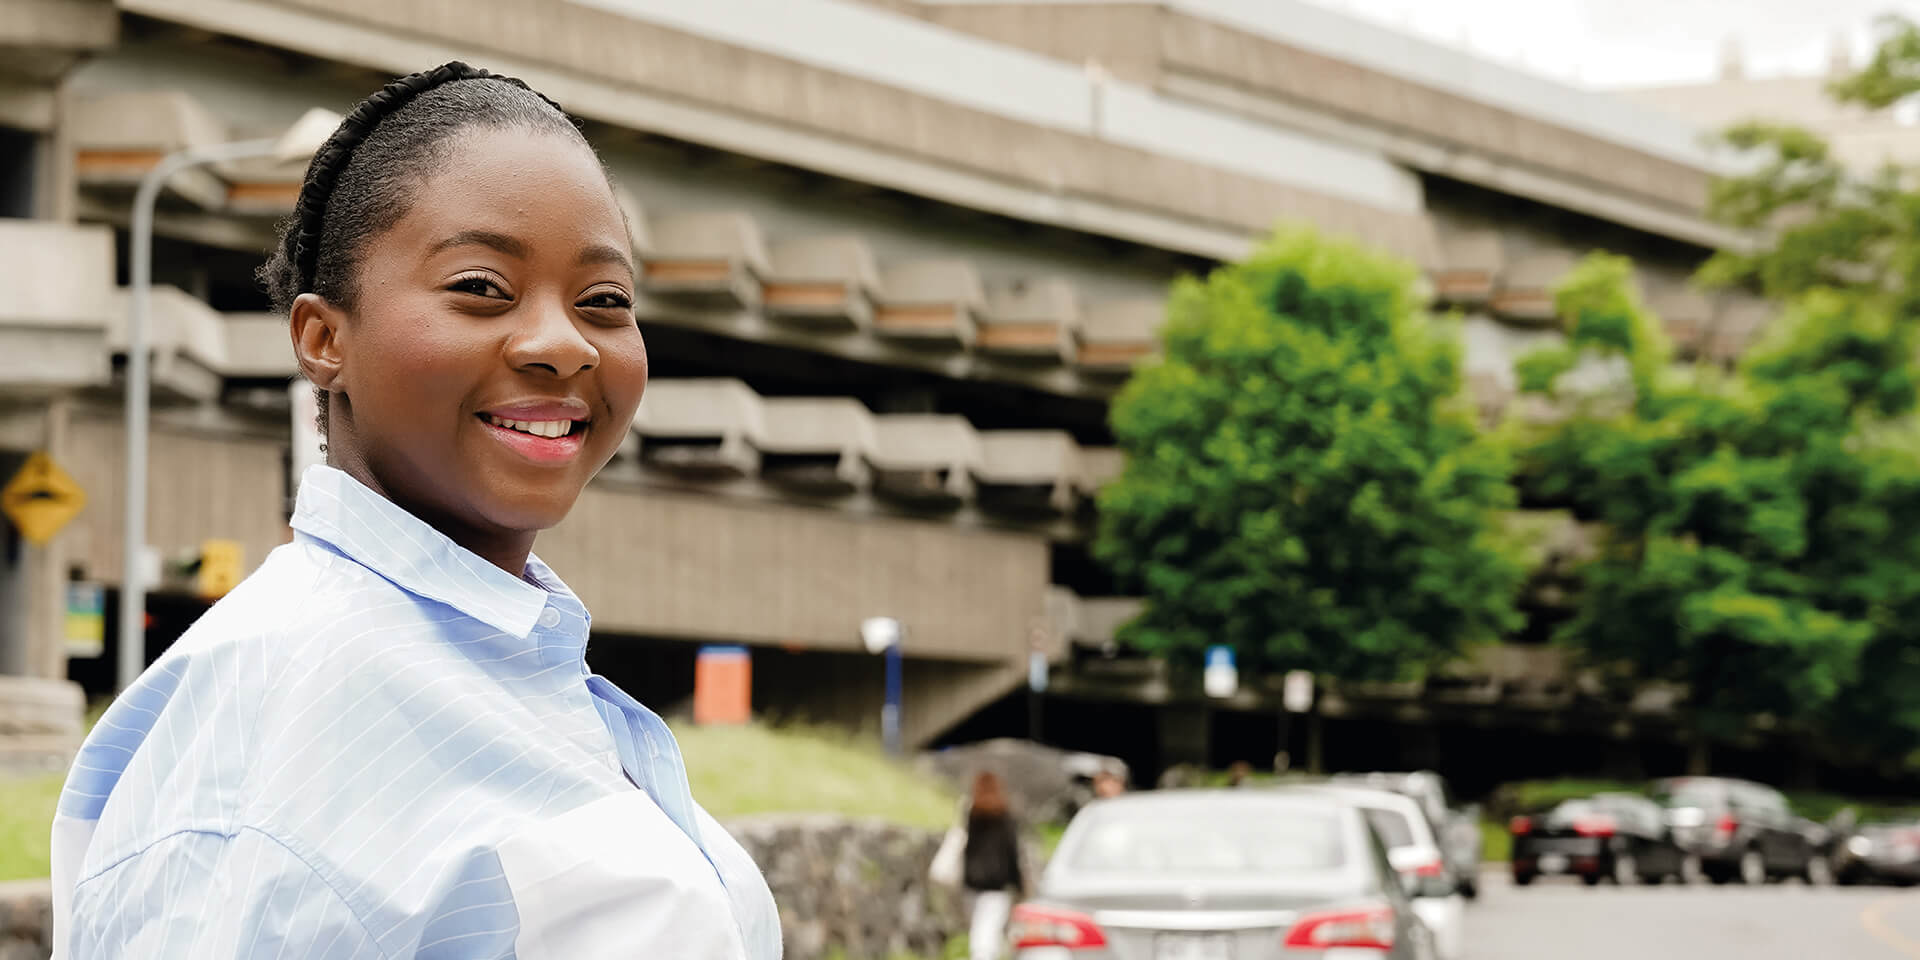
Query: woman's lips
{"type": "Point", "coordinates": [528, 439]}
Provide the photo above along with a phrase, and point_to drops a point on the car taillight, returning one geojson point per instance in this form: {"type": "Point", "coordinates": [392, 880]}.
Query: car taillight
{"type": "Point", "coordinates": [1431, 869]}
{"type": "Point", "coordinates": [1520, 826]}
{"type": "Point", "coordinates": [1361, 928]}
{"type": "Point", "coordinates": [1595, 826]}
{"type": "Point", "coordinates": [1033, 926]}
{"type": "Point", "coordinates": [1727, 824]}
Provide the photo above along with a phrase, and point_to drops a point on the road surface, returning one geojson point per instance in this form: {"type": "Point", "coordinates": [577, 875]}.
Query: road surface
{"type": "Point", "coordinates": [1562, 920]}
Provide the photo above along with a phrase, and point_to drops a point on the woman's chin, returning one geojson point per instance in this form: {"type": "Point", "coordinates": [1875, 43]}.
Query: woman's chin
{"type": "Point", "coordinates": [530, 506]}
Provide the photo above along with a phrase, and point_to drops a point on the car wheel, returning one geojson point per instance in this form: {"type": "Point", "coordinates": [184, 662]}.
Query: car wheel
{"type": "Point", "coordinates": [1753, 868]}
{"type": "Point", "coordinates": [1653, 879]}
{"type": "Point", "coordinates": [1590, 879]}
{"type": "Point", "coordinates": [1819, 872]}
{"type": "Point", "coordinates": [1470, 889]}
{"type": "Point", "coordinates": [1626, 870]}
{"type": "Point", "coordinates": [1521, 879]}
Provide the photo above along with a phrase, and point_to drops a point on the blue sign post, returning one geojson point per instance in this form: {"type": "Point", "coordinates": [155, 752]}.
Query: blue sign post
{"type": "Point", "coordinates": [890, 714]}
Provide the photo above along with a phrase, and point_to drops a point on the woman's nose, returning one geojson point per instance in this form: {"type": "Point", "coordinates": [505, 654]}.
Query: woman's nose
{"type": "Point", "coordinates": [549, 339]}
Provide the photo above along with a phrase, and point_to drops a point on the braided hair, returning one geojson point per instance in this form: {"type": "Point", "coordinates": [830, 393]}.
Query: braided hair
{"type": "Point", "coordinates": [361, 181]}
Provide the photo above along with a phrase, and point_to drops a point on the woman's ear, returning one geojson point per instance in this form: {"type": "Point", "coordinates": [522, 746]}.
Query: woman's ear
{"type": "Point", "coordinates": [319, 329]}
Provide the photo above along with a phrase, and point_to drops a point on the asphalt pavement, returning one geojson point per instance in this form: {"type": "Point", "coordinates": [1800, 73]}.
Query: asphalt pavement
{"type": "Point", "coordinates": [1562, 920]}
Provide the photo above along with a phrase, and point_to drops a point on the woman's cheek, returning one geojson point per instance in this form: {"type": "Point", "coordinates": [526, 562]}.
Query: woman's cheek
{"type": "Point", "coordinates": [627, 378]}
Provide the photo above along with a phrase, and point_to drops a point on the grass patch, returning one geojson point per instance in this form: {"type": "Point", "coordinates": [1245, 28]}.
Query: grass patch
{"type": "Point", "coordinates": [26, 825]}
{"type": "Point", "coordinates": [1496, 844]}
{"type": "Point", "coordinates": [1532, 796]}
{"type": "Point", "coordinates": [1048, 835]}
{"type": "Point", "coordinates": [739, 771]}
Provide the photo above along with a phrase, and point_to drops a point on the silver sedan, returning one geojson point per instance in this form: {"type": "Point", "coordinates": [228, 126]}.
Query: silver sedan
{"type": "Point", "coordinates": [1220, 875]}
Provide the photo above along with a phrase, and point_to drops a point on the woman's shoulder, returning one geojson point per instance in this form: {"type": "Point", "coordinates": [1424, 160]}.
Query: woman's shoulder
{"type": "Point", "coordinates": [302, 590]}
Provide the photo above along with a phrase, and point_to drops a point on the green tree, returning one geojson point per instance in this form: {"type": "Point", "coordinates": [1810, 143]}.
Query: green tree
{"type": "Point", "coordinates": [1763, 548]}
{"type": "Point", "coordinates": [1846, 246]}
{"type": "Point", "coordinates": [1739, 510]}
{"type": "Point", "coordinates": [1303, 480]}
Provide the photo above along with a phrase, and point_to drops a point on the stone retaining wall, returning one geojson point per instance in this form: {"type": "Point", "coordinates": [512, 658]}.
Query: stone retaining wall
{"type": "Point", "coordinates": [859, 886]}
{"type": "Point", "coordinates": [26, 920]}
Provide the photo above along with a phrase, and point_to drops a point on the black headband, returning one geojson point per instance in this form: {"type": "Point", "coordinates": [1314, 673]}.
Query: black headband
{"type": "Point", "coordinates": [303, 241]}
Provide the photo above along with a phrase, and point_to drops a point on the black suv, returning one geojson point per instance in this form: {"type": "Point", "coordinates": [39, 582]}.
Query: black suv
{"type": "Point", "coordinates": [1739, 830]}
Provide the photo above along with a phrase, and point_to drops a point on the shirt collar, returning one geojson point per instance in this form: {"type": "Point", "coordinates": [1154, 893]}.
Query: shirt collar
{"type": "Point", "coordinates": [376, 533]}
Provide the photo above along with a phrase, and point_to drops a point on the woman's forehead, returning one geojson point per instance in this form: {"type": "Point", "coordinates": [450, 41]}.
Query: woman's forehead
{"type": "Point", "coordinates": [536, 191]}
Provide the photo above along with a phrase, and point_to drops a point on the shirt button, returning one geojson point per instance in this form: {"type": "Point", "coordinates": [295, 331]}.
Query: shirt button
{"type": "Point", "coordinates": [549, 618]}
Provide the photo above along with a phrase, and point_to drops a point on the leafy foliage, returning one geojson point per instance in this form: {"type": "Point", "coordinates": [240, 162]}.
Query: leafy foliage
{"type": "Point", "coordinates": [1758, 538]}
{"type": "Point", "coordinates": [1301, 481]}
{"type": "Point", "coordinates": [1828, 229]}
{"type": "Point", "coordinates": [1763, 547]}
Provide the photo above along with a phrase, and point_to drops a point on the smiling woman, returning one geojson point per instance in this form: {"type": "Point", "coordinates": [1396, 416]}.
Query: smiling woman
{"type": "Point", "coordinates": [386, 741]}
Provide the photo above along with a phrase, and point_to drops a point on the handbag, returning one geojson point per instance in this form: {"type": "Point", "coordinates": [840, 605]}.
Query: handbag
{"type": "Point", "coordinates": [949, 862]}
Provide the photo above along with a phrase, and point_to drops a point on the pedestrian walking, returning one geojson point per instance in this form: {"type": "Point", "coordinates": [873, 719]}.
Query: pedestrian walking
{"type": "Point", "coordinates": [386, 742]}
{"type": "Point", "coordinates": [992, 873]}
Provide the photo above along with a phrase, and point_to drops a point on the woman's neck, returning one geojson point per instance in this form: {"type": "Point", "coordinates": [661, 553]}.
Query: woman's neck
{"type": "Point", "coordinates": [506, 549]}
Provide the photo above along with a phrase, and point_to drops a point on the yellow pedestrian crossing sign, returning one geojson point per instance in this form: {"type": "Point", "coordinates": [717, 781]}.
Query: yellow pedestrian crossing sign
{"type": "Point", "coordinates": [41, 499]}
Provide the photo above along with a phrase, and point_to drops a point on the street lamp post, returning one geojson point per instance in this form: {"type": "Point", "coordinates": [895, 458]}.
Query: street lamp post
{"type": "Point", "coordinates": [883, 635]}
{"type": "Point", "coordinates": [300, 141]}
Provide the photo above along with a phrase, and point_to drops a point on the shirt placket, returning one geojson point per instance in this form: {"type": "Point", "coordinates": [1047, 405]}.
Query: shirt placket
{"type": "Point", "coordinates": [559, 636]}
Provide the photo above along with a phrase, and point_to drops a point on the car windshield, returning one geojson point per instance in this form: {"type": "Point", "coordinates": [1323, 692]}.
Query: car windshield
{"type": "Point", "coordinates": [1393, 827]}
{"type": "Point", "coordinates": [1151, 840]}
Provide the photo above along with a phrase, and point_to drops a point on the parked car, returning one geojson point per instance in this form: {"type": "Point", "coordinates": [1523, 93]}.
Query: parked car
{"type": "Point", "coordinates": [1615, 836]}
{"type": "Point", "coordinates": [1458, 827]}
{"type": "Point", "coordinates": [1415, 852]}
{"type": "Point", "coordinates": [1877, 853]}
{"type": "Point", "coordinates": [1740, 830]}
{"type": "Point", "coordinates": [1220, 875]}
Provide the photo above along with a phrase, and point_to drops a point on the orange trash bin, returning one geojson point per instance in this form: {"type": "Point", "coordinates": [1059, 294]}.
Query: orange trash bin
{"type": "Point", "coordinates": [722, 686]}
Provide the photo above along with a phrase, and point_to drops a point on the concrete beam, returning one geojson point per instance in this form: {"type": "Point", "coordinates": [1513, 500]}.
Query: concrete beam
{"type": "Point", "coordinates": [77, 25]}
{"type": "Point", "coordinates": [818, 444]}
{"type": "Point", "coordinates": [694, 88]}
{"type": "Point", "coordinates": [826, 283]}
{"type": "Point", "coordinates": [1036, 319]}
{"type": "Point", "coordinates": [701, 427]}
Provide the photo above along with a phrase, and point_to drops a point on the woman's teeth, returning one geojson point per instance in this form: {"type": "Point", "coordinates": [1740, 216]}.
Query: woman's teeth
{"type": "Point", "coordinates": [539, 428]}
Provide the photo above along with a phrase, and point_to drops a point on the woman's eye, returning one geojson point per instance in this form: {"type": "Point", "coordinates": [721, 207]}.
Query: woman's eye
{"type": "Point", "coordinates": [478, 286]}
{"type": "Point", "coordinates": [608, 300]}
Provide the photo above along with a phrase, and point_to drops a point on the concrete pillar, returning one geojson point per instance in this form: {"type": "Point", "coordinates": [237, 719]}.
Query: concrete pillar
{"type": "Point", "coordinates": [47, 569]}
{"type": "Point", "coordinates": [1699, 757]}
{"type": "Point", "coordinates": [15, 587]}
{"type": "Point", "coordinates": [33, 580]}
{"type": "Point", "coordinates": [1184, 734]}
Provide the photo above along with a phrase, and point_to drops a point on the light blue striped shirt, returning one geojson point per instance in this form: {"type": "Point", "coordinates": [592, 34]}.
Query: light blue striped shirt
{"type": "Point", "coordinates": [380, 745]}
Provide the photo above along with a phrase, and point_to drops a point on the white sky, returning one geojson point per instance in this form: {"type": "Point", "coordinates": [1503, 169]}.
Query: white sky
{"type": "Point", "coordinates": [1617, 43]}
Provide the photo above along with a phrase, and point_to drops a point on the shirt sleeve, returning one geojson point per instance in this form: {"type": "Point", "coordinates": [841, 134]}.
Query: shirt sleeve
{"type": "Point", "coordinates": [211, 897]}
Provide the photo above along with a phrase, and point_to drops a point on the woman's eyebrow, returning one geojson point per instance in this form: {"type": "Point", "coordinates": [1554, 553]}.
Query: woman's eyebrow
{"type": "Point", "coordinates": [599, 253]}
{"type": "Point", "coordinates": [511, 246]}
